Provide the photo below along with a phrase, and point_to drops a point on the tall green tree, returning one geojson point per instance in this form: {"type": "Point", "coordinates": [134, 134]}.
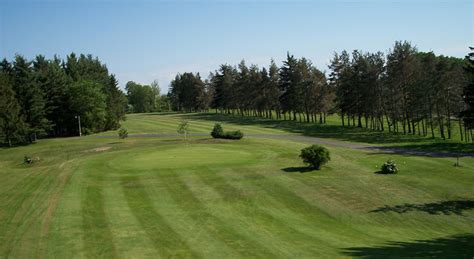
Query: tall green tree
{"type": "Point", "coordinates": [116, 104]}
{"type": "Point", "coordinates": [288, 82]}
{"type": "Point", "coordinates": [11, 124]}
{"type": "Point", "coordinates": [31, 99]}
{"type": "Point", "coordinates": [54, 82]}
{"type": "Point", "coordinates": [89, 102]}
{"type": "Point", "coordinates": [223, 84]}
{"type": "Point", "coordinates": [188, 93]}
{"type": "Point", "coordinates": [468, 92]}
{"type": "Point", "coordinates": [140, 97]}
{"type": "Point", "coordinates": [155, 87]}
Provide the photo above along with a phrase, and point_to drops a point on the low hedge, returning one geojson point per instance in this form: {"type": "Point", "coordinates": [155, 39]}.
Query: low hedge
{"type": "Point", "coordinates": [218, 132]}
{"type": "Point", "coordinates": [232, 134]}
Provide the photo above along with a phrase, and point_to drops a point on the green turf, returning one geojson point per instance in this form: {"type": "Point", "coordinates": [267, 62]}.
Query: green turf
{"type": "Point", "coordinates": [165, 197]}
{"type": "Point", "coordinates": [202, 123]}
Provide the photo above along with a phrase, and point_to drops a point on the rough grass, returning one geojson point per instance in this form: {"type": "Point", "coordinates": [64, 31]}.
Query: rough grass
{"type": "Point", "coordinates": [93, 197]}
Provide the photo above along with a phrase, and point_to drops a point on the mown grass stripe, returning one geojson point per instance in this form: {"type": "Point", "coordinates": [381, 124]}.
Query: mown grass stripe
{"type": "Point", "coordinates": [29, 204]}
{"type": "Point", "coordinates": [306, 211]}
{"type": "Point", "coordinates": [251, 210]}
{"type": "Point", "coordinates": [168, 242]}
{"type": "Point", "coordinates": [97, 236]}
{"type": "Point", "coordinates": [129, 236]}
{"type": "Point", "coordinates": [217, 227]}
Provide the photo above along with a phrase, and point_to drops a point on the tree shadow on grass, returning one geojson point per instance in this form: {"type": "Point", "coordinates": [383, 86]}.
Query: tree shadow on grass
{"type": "Point", "coordinates": [458, 246]}
{"type": "Point", "coordinates": [435, 149]}
{"type": "Point", "coordinates": [311, 129]}
{"type": "Point", "coordinates": [298, 169]}
{"type": "Point", "coordinates": [436, 208]}
{"type": "Point", "coordinates": [418, 145]}
{"type": "Point", "coordinates": [382, 173]}
{"type": "Point", "coordinates": [157, 113]}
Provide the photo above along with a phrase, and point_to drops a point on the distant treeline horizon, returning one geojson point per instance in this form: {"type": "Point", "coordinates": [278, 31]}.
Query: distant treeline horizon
{"type": "Point", "coordinates": [404, 90]}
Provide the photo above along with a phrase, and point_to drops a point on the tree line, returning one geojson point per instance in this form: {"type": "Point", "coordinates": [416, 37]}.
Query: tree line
{"type": "Point", "coordinates": [146, 98]}
{"type": "Point", "coordinates": [404, 91]}
{"type": "Point", "coordinates": [44, 97]}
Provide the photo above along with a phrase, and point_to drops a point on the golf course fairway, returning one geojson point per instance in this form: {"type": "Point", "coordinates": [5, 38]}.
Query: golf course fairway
{"type": "Point", "coordinates": [98, 196]}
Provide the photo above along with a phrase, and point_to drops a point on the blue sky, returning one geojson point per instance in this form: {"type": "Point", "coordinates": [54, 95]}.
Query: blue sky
{"type": "Point", "coordinates": [147, 40]}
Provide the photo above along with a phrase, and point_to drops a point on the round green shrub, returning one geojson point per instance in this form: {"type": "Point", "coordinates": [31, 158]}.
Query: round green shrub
{"type": "Point", "coordinates": [217, 131]}
{"type": "Point", "coordinates": [389, 167]}
{"type": "Point", "coordinates": [315, 156]}
{"type": "Point", "coordinates": [122, 133]}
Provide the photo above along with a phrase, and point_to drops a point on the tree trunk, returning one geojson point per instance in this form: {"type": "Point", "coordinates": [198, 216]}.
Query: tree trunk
{"type": "Point", "coordinates": [431, 124]}
{"type": "Point", "coordinates": [449, 126]}
{"type": "Point", "coordinates": [440, 121]}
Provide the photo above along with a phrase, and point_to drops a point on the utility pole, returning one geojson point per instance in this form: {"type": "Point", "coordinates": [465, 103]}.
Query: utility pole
{"type": "Point", "coordinates": [79, 120]}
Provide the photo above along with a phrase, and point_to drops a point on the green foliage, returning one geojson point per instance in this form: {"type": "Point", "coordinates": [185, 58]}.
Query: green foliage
{"type": "Point", "coordinates": [188, 93]}
{"type": "Point", "coordinates": [122, 133]}
{"type": "Point", "coordinates": [218, 132]}
{"type": "Point", "coordinates": [48, 93]}
{"type": "Point", "coordinates": [468, 91]}
{"type": "Point", "coordinates": [116, 104]}
{"type": "Point", "coordinates": [30, 98]}
{"type": "Point", "coordinates": [141, 97]}
{"type": "Point", "coordinates": [389, 167]}
{"type": "Point", "coordinates": [183, 128]}
{"type": "Point", "coordinates": [233, 135]}
{"type": "Point", "coordinates": [11, 123]}
{"type": "Point", "coordinates": [155, 88]}
{"type": "Point", "coordinates": [88, 101]}
{"type": "Point", "coordinates": [315, 156]}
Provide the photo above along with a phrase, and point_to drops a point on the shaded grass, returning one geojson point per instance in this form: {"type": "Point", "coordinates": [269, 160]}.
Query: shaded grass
{"type": "Point", "coordinates": [457, 246]}
{"type": "Point", "coordinates": [436, 208]}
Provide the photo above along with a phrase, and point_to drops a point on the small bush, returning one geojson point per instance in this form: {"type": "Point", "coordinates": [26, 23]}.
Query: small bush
{"type": "Point", "coordinates": [233, 135]}
{"type": "Point", "coordinates": [123, 133]}
{"type": "Point", "coordinates": [28, 160]}
{"type": "Point", "coordinates": [217, 131]}
{"type": "Point", "coordinates": [389, 167]}
{"type": "Point", "coordinates": [315, 156]}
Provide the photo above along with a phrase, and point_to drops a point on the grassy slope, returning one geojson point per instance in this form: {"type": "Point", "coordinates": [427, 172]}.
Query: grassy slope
{"type": "Point", "coordinates": [148, 197]}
